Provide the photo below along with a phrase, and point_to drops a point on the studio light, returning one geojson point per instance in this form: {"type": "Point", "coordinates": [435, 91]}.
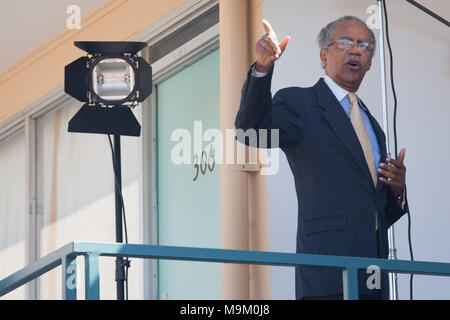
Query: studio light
{"type": "Point", "coordinates": [110, 79]}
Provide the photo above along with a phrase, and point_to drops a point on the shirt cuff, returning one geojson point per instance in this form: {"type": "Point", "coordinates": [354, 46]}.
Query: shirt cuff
{"type": "Point", "coordinates": [258, 74]}
{"type": "Point", "coordinates": [401, 200]}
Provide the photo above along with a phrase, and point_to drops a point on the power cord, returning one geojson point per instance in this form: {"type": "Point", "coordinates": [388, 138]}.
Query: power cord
{"type": "Point", "coordinates": [126, 261]}
{"type": "Point", "coordinates": [395, 141]}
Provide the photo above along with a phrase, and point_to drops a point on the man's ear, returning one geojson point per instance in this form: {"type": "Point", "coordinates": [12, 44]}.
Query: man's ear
{"type": "Point", "coordinates": [323, 57]}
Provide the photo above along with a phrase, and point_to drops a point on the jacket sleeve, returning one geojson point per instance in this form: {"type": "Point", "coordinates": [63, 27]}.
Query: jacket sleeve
{"type": "Point", "coordinates": [394, 210]}
{"type": "Point", "coordinates": [266, 122]}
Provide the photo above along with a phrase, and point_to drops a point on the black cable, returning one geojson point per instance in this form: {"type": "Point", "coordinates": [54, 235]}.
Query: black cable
{"type": "Point", "coordinates": [428, 11]}
{"type": "Point", "coordinates": [395, 140]}
{"type": "Point", "coordinates": [116, 178]}
{"type": "Point", "coordinates": [410, 247]}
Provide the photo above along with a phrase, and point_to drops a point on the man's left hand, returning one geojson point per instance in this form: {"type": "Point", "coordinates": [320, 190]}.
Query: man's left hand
{"type": "Point", "coordinates": [393, 173]}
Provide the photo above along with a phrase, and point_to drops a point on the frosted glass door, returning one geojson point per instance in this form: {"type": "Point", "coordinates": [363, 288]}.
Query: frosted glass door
{"type": "Point", "coordinates": [188, 193]}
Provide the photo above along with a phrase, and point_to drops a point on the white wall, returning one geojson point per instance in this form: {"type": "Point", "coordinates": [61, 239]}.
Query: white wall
{"type": "Point", "coordinates": [421, 47]}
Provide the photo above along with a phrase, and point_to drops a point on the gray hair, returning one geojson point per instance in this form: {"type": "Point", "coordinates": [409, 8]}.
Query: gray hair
{"type": "Point", "coordinates": [324, 36]}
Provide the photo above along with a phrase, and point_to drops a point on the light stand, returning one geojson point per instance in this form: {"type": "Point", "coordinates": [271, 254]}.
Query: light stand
{"type": "Point", "coordinates": [120, 262]}
{"type": "Point", "coordinates": [391, 238]}
{"type": "Point", "coordinates": [393, 292]}
{"type": "Point", "coordinates": [110, 79]}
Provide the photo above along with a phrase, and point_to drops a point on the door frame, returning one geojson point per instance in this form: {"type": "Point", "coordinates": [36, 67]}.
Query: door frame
{"type": "Point", "coordinates": [183, 56]}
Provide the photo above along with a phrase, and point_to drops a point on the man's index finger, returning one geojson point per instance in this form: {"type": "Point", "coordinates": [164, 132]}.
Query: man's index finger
{"type": "Point", "coordinates": [268, 27]}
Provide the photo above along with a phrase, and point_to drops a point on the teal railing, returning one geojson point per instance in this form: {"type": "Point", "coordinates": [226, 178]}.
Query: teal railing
{"type": "Point", "coordinates": [66, 256]}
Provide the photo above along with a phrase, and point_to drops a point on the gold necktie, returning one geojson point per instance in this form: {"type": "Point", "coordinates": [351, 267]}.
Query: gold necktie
{"type": "Point", "coordinates": [360, 129]}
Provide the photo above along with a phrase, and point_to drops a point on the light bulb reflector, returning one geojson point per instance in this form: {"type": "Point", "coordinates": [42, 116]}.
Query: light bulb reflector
{"type": "Point", "coordinates": [113, 79]}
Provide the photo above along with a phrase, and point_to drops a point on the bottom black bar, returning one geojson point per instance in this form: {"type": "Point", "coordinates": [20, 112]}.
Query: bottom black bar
{"type": "Point", "coordinates": [226, 309]}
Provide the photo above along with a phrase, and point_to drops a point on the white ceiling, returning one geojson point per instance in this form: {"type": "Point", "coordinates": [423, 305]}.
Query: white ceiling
{"type": "Point", "coordinates": [26, 25]}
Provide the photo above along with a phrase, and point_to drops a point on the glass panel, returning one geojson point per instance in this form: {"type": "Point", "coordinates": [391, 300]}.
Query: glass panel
{"type": "Point", "coordinates": [189, 195]}
{"type": "Point", "coordinates": [13, 210]}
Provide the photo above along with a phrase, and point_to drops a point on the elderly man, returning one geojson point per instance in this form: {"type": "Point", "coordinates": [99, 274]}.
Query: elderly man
{"type": "Point", "coordinates": [349, 193]}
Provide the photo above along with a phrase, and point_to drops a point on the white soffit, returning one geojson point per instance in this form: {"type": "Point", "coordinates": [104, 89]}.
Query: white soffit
{"type": "Point", "coordinates": [27, 25]}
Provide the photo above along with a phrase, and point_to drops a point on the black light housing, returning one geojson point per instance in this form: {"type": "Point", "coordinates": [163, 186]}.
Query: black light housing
{"type": "Point", "coordinates": [117, 120]}
{"type": "Point", "coordinates": [110, 79]}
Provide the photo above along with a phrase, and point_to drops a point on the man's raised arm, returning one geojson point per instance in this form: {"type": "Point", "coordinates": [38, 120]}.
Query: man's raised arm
{"type": "Point", "coordinates": [255, 110]}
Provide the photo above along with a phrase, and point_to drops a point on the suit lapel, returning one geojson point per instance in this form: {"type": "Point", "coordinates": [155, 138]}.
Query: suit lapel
{"type": "Point", "coordinates": [339, 122]}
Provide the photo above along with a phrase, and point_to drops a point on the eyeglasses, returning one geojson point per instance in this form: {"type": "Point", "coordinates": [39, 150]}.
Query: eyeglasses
{"type": "Point", "coordinates": [346, 44]}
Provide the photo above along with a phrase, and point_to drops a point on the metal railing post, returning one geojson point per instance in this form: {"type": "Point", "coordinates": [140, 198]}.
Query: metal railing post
{"type": "Point", "coordinates": [69, 277]}
{"type": "Point", "coordinates": [92, 278]}
{"type": "Point", "coordinates": [350, 281]}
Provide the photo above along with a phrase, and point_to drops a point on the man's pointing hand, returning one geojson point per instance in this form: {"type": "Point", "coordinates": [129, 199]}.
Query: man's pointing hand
{"type": "Point", "coordinates": [268, 49]}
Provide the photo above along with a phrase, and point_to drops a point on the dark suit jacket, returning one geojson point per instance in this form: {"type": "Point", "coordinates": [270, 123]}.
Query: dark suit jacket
{"type": "Point", "coordinates": [337, 201]}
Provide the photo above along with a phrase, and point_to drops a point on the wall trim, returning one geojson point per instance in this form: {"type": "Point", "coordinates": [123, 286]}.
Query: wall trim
{"type": "Point", "coordinates": [45, 103]}
{"type": "Point", "coordinates": [183, 14]}
{"type": "Point", "coordinates": [186, 54]}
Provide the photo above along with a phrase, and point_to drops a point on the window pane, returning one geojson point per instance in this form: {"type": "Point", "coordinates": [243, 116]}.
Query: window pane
{"type": "Point", "coordinates": [76, 197]}
{"type": "Point", "coordinates": [13, 217]}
